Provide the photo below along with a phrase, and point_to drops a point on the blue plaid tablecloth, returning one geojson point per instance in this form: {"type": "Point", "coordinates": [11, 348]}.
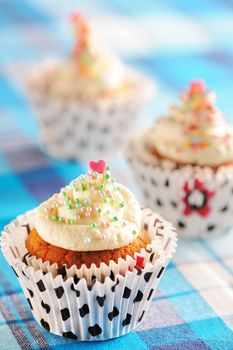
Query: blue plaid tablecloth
{"type": "Point", "coordinates": [173, 41]}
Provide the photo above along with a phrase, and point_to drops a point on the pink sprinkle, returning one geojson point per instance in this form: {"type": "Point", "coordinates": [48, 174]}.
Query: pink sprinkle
{"type": "Point", "coordinates": [99, 166]}
{"type": "Point", "coordinates": [75, 16]}
{"type": "Point", "coordinates": [196, 87]}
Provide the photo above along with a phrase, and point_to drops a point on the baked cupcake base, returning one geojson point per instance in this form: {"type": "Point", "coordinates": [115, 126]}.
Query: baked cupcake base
{"type": "Point", "coordinates": [48, 252]}
{"type": "Point", "coordinates": [95, 303]}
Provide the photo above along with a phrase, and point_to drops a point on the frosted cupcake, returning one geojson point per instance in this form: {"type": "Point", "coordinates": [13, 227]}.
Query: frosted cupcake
{"type": "Point", "coordinates": [184, 164]}
{"type": "Point", "coordinates": [89, 102]}
{"type": "Point", "coordinates": [89, 258]}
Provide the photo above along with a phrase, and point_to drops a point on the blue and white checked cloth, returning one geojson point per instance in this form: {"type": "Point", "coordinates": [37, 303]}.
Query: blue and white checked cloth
{"type": "Point", "coordinates": [173, 41]}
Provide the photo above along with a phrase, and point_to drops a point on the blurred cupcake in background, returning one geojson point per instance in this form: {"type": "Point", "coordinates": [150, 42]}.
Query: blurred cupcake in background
{"type": "Point", "coordinates": [89, 258]}
{"type": "Point", "coordinates": [184, 165]}
{"type": "Point", "coordinates": [88, 103]}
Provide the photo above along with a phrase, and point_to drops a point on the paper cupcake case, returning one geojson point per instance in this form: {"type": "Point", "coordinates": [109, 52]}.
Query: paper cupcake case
{"type": "Point", "coordinates": [92, 304]}
{"type": "Point", "coordinates": [197, 200]}
{"type": "Point", "coordinates": [81, 130]}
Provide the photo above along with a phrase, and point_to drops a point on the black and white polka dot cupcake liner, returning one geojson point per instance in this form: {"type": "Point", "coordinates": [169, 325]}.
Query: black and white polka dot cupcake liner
{"type": "Point", "coordinates": [84, 130]}
{"type": "Point", "coordinates": [197, 200]}
{"type": "Point", "coordinates": [96, 303]}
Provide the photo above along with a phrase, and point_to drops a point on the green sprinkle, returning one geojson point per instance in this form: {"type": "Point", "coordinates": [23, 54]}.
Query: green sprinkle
{"type": "Point", "coordinates": [63, 191]}
{"type": "Point", "coordinates": [122, 205]}
{"type": "Point", "coordinates": [90, 184]}
{"type": "Point", "coordinates": [99, 210]}
{"type": "Point", "coordinates": [94, 225]}
{"type": "Point", "coordinates": [60, 219]}
{"type": "Point", "coordinates": [110, 201]}
{"type": "Point", "coordinates": [134, 232]}
{"type": "Point", "coordinates": [115, 218]}
{"type": "Point", "coordinates": [70, 207]}
{"type": "Point", "coordinates": [107, 177]}
{"type": "Point", "coordinates": [108, 168]}
{"type": "Point", "coordinates": [84, 188]}
{"type": "Point", "coordinates": [76, 201]}
{"type": "Point", "coordinates": [55, 217]}
{"type": "Point", "coordinates": [73, 222]}
{"type": "Point", "coordinates": [101, 186]}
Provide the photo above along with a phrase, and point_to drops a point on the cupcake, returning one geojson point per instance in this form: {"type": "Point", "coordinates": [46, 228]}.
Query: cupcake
{"type": "Point", "coordinates": [88, 103]}
{"type": "Point", "coordinates": [184, 165]}
{"type": "Point", "coordinates": [89, 258]}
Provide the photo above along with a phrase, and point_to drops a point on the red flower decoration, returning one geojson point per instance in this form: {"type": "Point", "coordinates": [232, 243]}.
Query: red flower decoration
{"type": "Point", "coordinates": [196, 199]}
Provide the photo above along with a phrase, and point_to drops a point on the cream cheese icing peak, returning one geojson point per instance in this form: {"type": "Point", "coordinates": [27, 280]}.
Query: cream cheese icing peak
{"type": "Point", "coordinates": [93, 212]}
{"type": "Point", "coordinates": [194, 131]}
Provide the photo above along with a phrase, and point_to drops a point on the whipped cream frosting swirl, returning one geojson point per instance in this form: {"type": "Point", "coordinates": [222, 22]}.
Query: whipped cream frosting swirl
{"type": "Point", "coordinates": [194, 132]}
{"type": "Point", "coordinates": [90, 71]}
{"type": "Point", "coordinates": [92, 213]}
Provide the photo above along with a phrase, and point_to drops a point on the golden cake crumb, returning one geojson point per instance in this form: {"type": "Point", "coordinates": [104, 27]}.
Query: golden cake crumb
{"type": "Point", "coordinates": [48, 252]}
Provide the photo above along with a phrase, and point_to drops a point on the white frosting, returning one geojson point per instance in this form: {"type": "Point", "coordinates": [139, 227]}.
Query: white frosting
{"type": "Point", "coordinates": [117, 224]}
{"type": "Point", "coordinates": [90, 72]}
{"type": "Point", "coordinates": [193, 133]}
{"type": "Point", "coordinates": [62, 79]}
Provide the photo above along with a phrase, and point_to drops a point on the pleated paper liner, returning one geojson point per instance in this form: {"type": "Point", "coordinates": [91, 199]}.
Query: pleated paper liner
{"type": "Point", "coordinates": [92, 304]}
{"type": "Point", "coordinates": [84, 130]}
{"type": "Point", "coordinates": [197, 200]}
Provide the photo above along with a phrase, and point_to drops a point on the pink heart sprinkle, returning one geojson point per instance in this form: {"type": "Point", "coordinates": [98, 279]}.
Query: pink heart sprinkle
{"type": "Point", "coordinates": [75, 16]}
{"type": "Point", "coordinates": [197, 86]}
{"type": "Point", "coordinates": [99, 166]}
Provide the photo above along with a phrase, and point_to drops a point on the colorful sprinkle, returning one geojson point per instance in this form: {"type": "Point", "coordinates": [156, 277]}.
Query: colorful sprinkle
{"type": "Point", "coordinates": [87, 240]}
{"type": "Point", "coordinates": [98, 167]}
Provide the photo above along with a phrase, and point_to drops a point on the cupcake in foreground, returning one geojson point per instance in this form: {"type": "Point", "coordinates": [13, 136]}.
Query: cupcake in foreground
{"type": "Point", "coordinates": [89, 258]}
{"type": "Point", "coordinates": [184, 165]}
{"type": "Point", "coordinates": [88, 103]}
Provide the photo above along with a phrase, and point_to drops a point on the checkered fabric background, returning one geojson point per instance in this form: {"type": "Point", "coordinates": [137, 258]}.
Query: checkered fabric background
{"type": "Point", "coordinates": [173, 41]}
